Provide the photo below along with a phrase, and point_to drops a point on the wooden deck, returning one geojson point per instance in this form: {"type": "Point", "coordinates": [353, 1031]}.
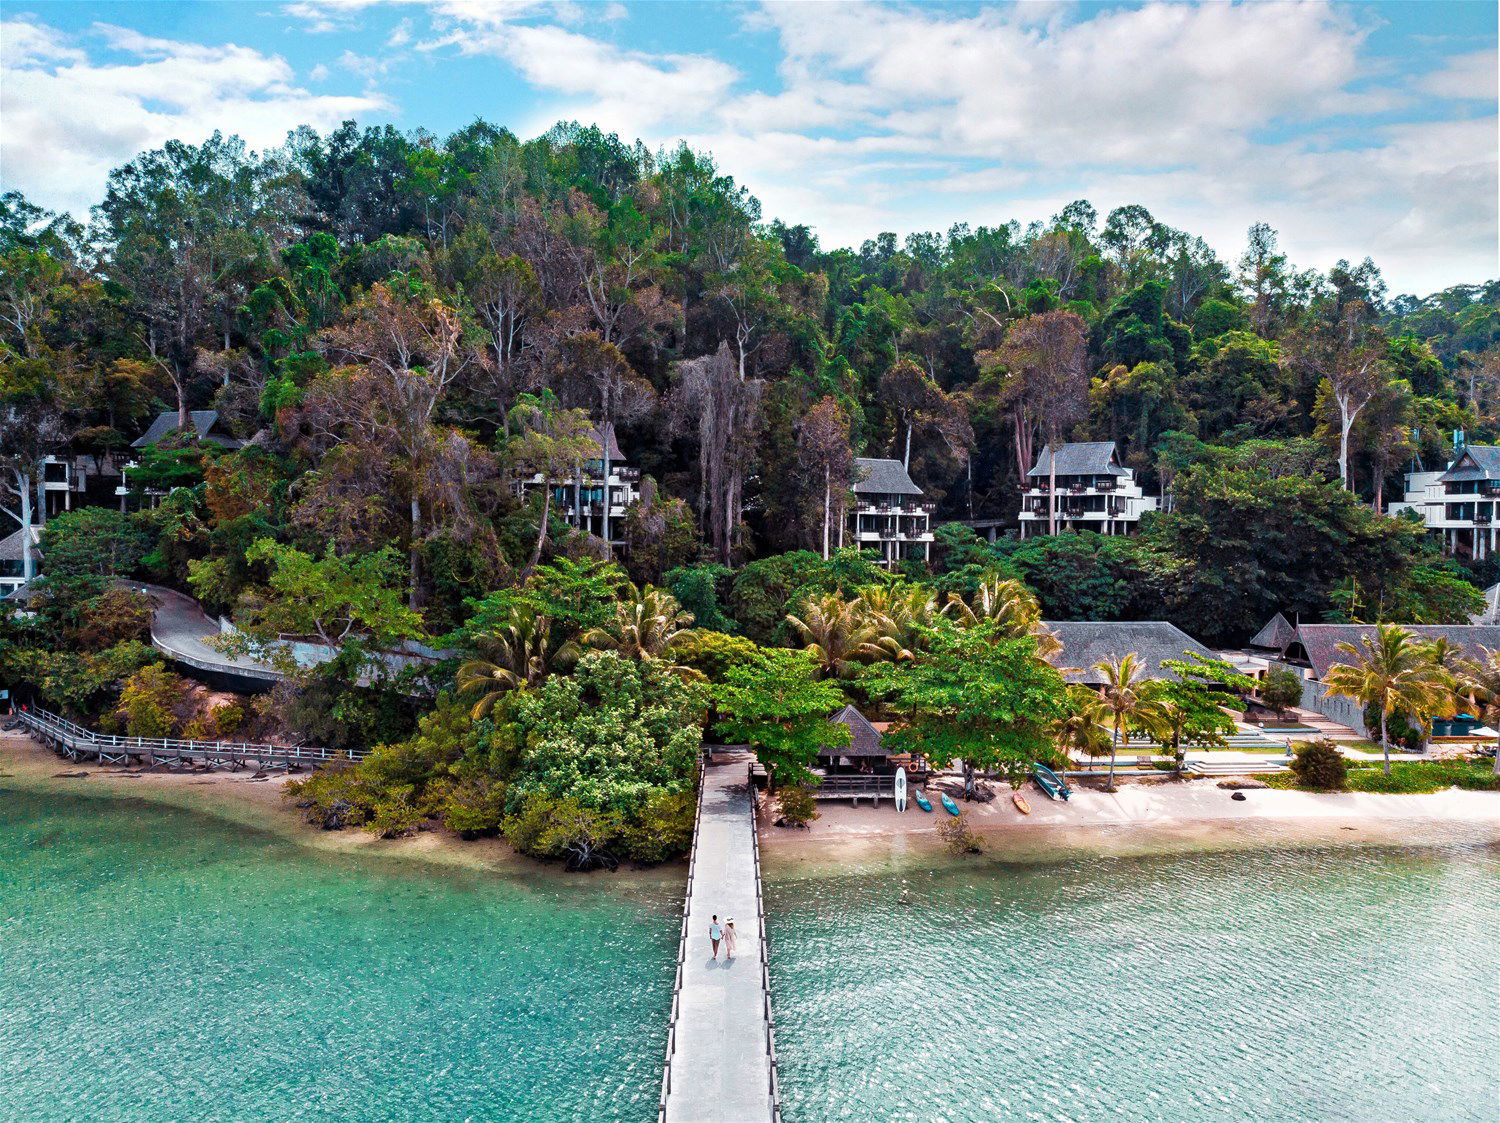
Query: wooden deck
{"type": "Point", "coordinates": [77, 743]}
{"type": "Point", "coordinates": [721, 1051]}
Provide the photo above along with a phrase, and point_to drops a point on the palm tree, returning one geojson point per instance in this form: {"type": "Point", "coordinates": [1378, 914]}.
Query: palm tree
{"type": "Point", "coordinates": [1396, 672]}
{"type": "Point", "coordinates": [837, 633]}
{"type": "Point", "coordinates": [1009, 604]}
{"type": "Point", "coordinates": [1126, 698]}
{"type": "Point", "coordinates": [648, 622]}
{"type": "Point", "coordinates": [1479, 687]}
{"type": "Point", "coordinates": [899, 613]}
{"type": "Point", "coordinates": [1084, 725]}
{"type": "Point", "coordinates": [523, 655]}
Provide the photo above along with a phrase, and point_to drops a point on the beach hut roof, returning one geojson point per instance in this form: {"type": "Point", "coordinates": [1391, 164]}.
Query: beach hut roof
{"type": "Point", "coordinates": [864, 738]}
{"type": "Point", "coordinates": [1086, 642]}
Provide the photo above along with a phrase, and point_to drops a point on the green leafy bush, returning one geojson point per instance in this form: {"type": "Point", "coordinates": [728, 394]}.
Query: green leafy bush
{"type": "Point", "coordinates": [147, 702]}
{"type": "Point", "coordinates": [798, 808]}
{"type": "Point", "coordinates": [1320, 766]}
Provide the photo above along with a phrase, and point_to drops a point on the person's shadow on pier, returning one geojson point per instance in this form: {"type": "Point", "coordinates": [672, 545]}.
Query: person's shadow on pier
{"type": "Point", "coordinates": [712, 965]}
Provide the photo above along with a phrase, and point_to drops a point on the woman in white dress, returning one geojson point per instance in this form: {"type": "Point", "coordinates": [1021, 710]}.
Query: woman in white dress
{"type": "Point", "coordinates": [729, 938]}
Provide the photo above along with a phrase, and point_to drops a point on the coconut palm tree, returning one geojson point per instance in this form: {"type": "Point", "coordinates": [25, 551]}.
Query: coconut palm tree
{"type": "Point", "coordinates": [900, 613]}
{"type": "Point", "coordinates": [1127, 700]}
{"type": "Point", "coordinates": [837, 633]}
{"type": "Point", "coordinates": [1394, 671]}
{"type": "Point", "coordinates": [1084, 726]}
{"type": "Point", "coordinates": [1479, 686]}
{"type": "Point", "coordinates": [648, 622]}
{"type": "Point", "coordinates": [1009, 604]}
{"type": "Point", "coordinates": [522, 654]}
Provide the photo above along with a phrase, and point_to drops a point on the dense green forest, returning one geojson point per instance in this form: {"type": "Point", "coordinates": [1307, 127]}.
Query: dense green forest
{"type": "Point", "coordinates": [396, 325]}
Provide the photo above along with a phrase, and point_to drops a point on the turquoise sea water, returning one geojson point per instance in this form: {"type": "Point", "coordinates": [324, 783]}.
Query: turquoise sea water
{"type": "Point", "coordinates": [161, 965]}
{"type": "Point", "coordinates": [1273, 986]}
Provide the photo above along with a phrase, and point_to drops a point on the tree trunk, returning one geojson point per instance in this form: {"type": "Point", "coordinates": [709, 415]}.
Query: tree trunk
{"type": "Point", "coordinates": [416, 533]}
{"type": "Point", "coordinates": [541, 536]}
{"type": "Point", "coordinates": [1052, 498]}
{"type": "Point", "coordinates": [1497, 756]}
{"type": "Point", "coordinates": [184, 416]}
{"type": "Point", "coordinates": [906, 456]}
{"type": "Point", "coordinates": [23, 491]}
{"type": "Point", "coordinates": [604, 448]}
{"type": "Point", "coordinates": [827, 508]}
{"type": "Point", "coordinates": [1385, 745]}
{"type": "Point", "coordinates": [1114, 748]}
{"type": "Point", "coordinates": [41, 494]}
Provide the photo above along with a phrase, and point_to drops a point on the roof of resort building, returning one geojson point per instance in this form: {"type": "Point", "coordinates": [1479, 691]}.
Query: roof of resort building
{"type": "Point", "coordinates": [1086, 642]}
{"type": "Point", "coordinates": [1319, 643]}
{"type": "Point", "coordinates": [613, 448]}
{"type": "Point", "coordinates": [882, 477]}
{"type": "Point", "coordinates": [1080, 458]}
{"type": "Point", "coordinates": [864, 738]}
{"type": "Point", "coordinates": [205, 421]}
{"type": "Point", "coordinates": [1477, 462]}
{"type": "Point", "coordinates": [10, 545]}
{"type": "Point", "coordinates": [1275, 636]}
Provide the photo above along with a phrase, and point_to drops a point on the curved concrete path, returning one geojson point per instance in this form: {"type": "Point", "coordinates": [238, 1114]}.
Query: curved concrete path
{"type": "Point", "coordinates": [180, 628]}
{"type": "Point", "coordinates": [721, 1067]}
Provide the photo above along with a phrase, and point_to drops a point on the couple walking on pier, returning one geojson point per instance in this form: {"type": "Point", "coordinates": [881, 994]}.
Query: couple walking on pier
{"type": "Point", "coordinates": [722, 932]}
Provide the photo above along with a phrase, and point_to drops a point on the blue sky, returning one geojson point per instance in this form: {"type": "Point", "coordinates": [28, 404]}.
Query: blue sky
{"type": "Point", "coordinates": [1353, 129]}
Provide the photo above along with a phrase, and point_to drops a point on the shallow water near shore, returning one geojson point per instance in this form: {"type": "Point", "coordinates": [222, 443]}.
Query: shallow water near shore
{"type": "Point", "coordinates": [1268, 982]}
{"type": "Point", "coordinates": [160, 964]}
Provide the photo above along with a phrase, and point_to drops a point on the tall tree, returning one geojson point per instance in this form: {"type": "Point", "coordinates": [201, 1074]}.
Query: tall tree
{"type": "Point", "coordinates": [1347, 352]}
{"type": "Point", "coordinates": [1047, 355]}
{"type": "Point", "coordinates": [823, 452]}
{"type": "Point", "coordinates": [727, 412]}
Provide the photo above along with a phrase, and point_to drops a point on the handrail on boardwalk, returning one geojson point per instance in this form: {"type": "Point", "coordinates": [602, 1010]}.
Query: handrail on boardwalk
{"type": "Point", "coordinates": [76, 742]}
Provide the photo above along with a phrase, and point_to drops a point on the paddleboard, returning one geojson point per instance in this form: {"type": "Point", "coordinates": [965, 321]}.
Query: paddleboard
{"type": "Point", "coordinates": [1020, 801]}
{"type": "Point", "coordinates": [900, 789]}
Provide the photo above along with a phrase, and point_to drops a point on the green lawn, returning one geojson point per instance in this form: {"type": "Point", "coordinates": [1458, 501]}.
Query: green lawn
{"type": "Point", "coordinates": [1411, 777]}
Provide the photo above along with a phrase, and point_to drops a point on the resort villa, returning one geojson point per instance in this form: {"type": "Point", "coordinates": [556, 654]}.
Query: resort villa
{"type": "Point", "coordinates": [1461, 503]}
{"type": "Point", "coordinates": [1311, 649]}
{"type": "Point", "coordinates": [889, 513]}
{"type": "Point", "coordinates": [1093, 491]}
{"type": "Point", "coordinates": [595, 496]}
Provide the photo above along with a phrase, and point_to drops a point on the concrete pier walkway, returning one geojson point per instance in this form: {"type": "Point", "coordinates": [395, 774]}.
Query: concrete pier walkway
{"type": "Point", "coordinates": [721, 1060]}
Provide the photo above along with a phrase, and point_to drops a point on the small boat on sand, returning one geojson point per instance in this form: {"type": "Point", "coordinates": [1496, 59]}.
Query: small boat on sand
{"type": "Point", "coordinates": [922, 801]}
{"type": "Point", "coordinates": [1020, 801]}
{"type": "Point", "coordinates": [949, 805]}
{"type": "Point", "coordinates": [1050, 782]}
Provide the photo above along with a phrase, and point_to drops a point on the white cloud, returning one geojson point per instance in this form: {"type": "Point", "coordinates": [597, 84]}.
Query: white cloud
{"type": "Point", "coordinates": [1473, 75]}
{"type": "Point", "coordinates": [69, 121]}
{"type": "Point", "coordinates": [1214, 116]}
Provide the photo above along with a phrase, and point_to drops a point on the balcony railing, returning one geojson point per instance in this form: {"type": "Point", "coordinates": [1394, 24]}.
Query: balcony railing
{"type": "Point", "coordinates": [1481, 518]}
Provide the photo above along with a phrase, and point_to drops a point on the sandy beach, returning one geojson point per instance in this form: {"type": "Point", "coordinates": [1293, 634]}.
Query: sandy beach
{"type": "Point", "coordinates": [260, 804]}
{"type": "Point", "coordinates": [1138, 819]}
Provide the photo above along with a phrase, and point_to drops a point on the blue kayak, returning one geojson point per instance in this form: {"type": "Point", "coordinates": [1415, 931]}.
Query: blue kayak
{"type": "Point", "coordinates": [950, 805]}
{"type": "Point", "coordinates": [922, 801]}
{"type": "Point", "coordinates": [1050, 782]}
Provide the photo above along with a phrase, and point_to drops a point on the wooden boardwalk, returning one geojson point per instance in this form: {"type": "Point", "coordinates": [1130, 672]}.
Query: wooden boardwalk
{"type": "Point", "coordinates": [77, 743]}
{"type": "Point", "coordinates": [721, 1052]}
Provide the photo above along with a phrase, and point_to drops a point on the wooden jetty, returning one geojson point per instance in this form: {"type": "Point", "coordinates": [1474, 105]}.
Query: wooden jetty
{"type": "Point", "coordinates": [77, 743]}
{"type": "Point", "coordinates": [721, 1042]}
